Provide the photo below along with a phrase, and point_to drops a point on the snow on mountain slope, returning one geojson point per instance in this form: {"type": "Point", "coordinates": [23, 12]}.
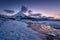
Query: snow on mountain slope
{"type": "Point", "coordinates": [17, 30]}
{"type": "Point", "coordinates": [18, 16]}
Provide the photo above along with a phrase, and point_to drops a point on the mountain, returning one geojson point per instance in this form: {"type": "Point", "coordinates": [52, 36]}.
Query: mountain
{"type": "Point", "coordinates": [11, 29]}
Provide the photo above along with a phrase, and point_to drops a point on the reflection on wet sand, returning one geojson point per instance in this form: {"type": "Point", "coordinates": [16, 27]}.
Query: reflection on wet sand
{"type": "Point", "coordinates": [44, 29]}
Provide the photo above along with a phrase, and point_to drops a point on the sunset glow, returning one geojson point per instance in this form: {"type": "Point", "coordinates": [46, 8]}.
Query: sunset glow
{"type": "Point", "coordinates": [47, 8]}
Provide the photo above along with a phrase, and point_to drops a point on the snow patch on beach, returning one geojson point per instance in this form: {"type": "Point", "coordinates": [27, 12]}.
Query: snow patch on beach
{"type": "Point", "coordinates": [17, 30]}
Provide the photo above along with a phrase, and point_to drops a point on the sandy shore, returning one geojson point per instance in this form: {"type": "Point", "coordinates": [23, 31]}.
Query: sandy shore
{"type": "Point", "coordinates": [44, 29]}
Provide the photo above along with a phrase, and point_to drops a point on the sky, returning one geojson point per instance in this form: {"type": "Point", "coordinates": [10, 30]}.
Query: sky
{"type": "Point", "coordinates": [44, 7]}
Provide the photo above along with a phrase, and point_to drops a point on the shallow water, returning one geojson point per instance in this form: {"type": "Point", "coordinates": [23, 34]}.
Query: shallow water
{"type": "Point", "coordinates": [54, 24]}
{"type": "Point", "coordinates": [46, 29]}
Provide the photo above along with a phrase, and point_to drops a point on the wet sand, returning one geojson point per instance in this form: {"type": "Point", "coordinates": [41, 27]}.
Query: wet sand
{"type": "Point", "coordinates": [44, 29]}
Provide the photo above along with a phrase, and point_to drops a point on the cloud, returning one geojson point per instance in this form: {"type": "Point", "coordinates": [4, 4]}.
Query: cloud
{"type": "Point", "coordinates": [9, 11]}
